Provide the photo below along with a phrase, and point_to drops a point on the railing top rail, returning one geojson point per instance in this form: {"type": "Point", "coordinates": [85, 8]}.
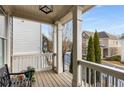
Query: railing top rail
{"type": "Point", "coordinates": [116, 72]}
{"type": "Point", "coordinates": [32, 54]}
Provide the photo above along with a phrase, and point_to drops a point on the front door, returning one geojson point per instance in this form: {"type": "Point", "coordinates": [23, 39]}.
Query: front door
{"type": "Point", "coordinates": [105, 52]}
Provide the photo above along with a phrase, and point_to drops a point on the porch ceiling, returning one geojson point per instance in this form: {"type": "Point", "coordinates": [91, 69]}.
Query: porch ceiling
{"type": "Point", "coordinates": [32, 12]}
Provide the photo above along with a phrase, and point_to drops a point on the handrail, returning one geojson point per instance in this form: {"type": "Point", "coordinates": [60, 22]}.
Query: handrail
{"type": "Point", "coordinates": [116, 72]}
{"type": "Point", "coordinates": [41, 61]}
{"type": "Point", "coordinates": [31, 54]}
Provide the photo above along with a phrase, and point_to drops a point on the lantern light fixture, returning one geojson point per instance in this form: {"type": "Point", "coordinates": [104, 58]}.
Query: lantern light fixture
{"type": "Point", "coordinates": [46, 8]}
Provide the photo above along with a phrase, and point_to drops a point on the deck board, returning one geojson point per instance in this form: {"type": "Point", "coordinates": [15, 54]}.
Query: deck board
{"type": "Point", "coordinates": [51, 79]}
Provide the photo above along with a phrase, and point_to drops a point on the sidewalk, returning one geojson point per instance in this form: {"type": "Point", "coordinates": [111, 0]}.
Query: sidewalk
{"type": "Point", "coordinates": [113, 64]}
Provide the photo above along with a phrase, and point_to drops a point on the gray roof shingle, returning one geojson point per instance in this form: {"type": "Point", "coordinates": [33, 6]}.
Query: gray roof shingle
{"type": "Point", "coordinates": [102, 34]}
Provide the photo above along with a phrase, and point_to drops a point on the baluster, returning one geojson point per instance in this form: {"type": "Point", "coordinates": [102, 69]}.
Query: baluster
{"type": "Point", "coordinates": [44, 61]}
{"type": "Point", "coordinates": [89, 77]}
{"type": "Point", "coordinates": [85, 81]}
{"type": "Point", "coordinates": [41, 57]}
{"type": "Point", "coordinates": [22, 62]}
{"type": "Point", "coordinates": [18, 64]}
{"type": "Point", "coordinates": [116, 81]}
{"type": "Point", "coordinates": [39, 64]}
{"type": "Point", "coordinates": [94, 78]}
{"type": "Point", "coordinates": [14, 62]}
{"type": "Point", "coordinates": [108, 81]}
{"type": "Point", "coordinates": [28, 63]}
{"type": "Point", "coordinates": [101, 80]}
{"type": "Point", "coordinates": [36, 64]}
{"type": "Point", "coordinates": [31, 61]}
{"type": "Point", "coordinates": [25, 61]}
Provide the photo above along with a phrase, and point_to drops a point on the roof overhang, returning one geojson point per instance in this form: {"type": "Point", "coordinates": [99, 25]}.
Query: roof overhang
{"type": "Point", "coordinates": [61, 13]}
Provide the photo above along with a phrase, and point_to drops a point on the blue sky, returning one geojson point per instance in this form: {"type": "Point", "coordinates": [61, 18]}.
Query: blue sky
{"type": "Point", "coordinates": [105, 18]}
{"type": "Point", "coordinates": [101, 18]}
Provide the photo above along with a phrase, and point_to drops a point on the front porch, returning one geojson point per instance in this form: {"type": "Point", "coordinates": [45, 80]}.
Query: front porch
{"type": "Point", "coordinates": [49, 66]}
{"type": "Point", "coordinates": [49, 78]}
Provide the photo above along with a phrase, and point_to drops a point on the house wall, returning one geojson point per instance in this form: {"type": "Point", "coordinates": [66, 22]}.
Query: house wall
{"type": "Point", "coordinates": [110, 47]}
{"type": "Point", "coordinates": [26, 36]}
{"type": "Point", "coordinates": [115, 47]}
{"type": "Point", "coordinates": [114, 43]}
{"type": "Point", "coordinates": [104, 42]}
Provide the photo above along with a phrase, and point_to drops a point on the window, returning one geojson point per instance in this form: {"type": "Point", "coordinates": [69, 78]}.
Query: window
{"type": "Point", "coordinates": [1, 51]}
{"type": "Point", "coordinates": [2, 25]}
{"type": "Point", "coordinates": [2, 37]}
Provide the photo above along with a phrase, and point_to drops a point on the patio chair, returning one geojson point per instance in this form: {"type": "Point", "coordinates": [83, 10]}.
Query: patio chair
{"type": "Point", "coordinates": [7, 81]}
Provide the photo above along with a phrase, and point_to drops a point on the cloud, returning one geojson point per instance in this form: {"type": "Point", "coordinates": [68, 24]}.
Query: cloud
{"type": "Point", "coordinates": [90, 19]}
{"type": "Point", "coordinates": [113, 27]}
{"type": "Point", "coordinates": [99, 6]}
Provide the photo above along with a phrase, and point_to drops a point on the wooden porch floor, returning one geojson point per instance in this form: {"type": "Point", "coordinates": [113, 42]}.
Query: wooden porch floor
{"type": "Point", "coordinates": [51, 79]}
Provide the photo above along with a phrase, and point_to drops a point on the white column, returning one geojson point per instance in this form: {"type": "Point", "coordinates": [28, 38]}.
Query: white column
{"type": "Point", "coordinates": [59, 48]}
{"type": "Point", "coordinates": [41, 44]}
{"type": "Point", "coordinates": [122, 50]}
{"type": "Point", "coordinates": [9, 43]}
{"type": "Point", "coordinates": [77, 46]}
{"type": "Point", "coordinates": [55, 46]}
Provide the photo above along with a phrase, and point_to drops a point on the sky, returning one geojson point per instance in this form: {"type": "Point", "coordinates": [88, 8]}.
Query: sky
{"type": "Point", "coordinates": [104, 18]}
{"type": "Point", "coordinates": [109, 18]}
{"type": "Point", "coordinates": [47, 30]}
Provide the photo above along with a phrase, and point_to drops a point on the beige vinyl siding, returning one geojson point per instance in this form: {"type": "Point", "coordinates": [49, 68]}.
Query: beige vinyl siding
{"type": "Point", "coordinates": [114, 43]}
{"type": "Point", "coordinates": [26, 36]}
{"type": "Point", "coordinates": [104, 42]}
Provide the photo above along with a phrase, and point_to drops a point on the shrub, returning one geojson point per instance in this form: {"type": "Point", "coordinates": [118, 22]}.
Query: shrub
{"type": "Point", "coordinates": [114, 58]}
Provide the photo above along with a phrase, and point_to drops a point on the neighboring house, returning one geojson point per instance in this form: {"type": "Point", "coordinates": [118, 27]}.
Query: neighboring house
{"type": "Point", "coordinates": [110, 44]}
{"type": "Point", "coordinates": [47, 44]}
{"type": "Point", "coordinates": [122, 48]}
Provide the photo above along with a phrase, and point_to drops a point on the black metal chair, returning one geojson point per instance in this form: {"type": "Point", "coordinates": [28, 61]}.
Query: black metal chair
{"type": "Point", "coordinates": [7, 81]}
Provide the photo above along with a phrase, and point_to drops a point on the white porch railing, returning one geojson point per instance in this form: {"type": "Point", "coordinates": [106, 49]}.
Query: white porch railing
{"type": "Point", "coordinates": [109, 76]}
{"type": "Point", "coordinates": [38, 61]}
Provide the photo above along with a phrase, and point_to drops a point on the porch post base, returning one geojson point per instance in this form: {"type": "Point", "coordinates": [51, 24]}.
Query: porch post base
{"type": "Point", "coordinates": [75, 83]}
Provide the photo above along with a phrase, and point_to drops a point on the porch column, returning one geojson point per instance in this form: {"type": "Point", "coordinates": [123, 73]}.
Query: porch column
{"type": "Point", "coordinates": [41, 37]}
{"type": "Point", "coordinates": [59, 48]}
{"type": "Point", "coordinates": [77, 47]}
{"type": "Point", "coordinates": [54, 46]}
{"type": "Point", "coordinates": [9, 44]}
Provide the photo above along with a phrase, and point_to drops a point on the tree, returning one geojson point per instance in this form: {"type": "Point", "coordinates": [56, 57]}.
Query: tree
{"type": "Point", "coordinates": [97, 53]}
{"type": "Point", "coordinates": [90, 53]}
{"type": "Point", "coordinates": [71, 64]}
{"type": "Point", "coordinates": [67, 40]}
{"type": "Point", "coordinates": [47, 44]}
{"type": "Point", "coordinates": [97, 48]}
{"type": "Point", "coordinates": [91, 58]}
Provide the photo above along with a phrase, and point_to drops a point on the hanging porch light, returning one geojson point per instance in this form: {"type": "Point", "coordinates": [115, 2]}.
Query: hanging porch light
{"type": "Point", "coordinates": [46, 8]}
